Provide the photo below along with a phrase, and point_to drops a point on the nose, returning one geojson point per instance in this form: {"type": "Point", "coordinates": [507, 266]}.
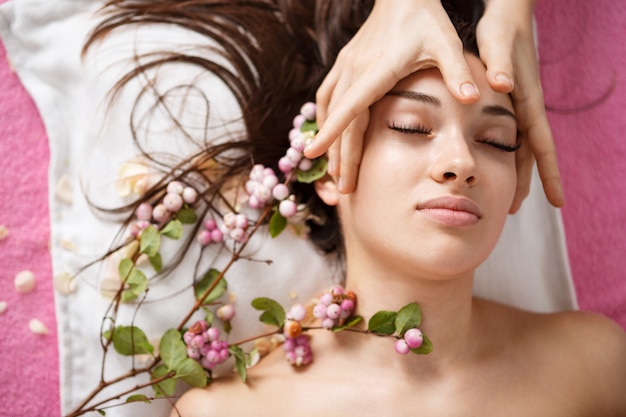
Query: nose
{"type": "Point", "coordinates": [454, 162]}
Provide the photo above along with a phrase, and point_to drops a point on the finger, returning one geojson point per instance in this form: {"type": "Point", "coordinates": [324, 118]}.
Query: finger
{"type": "Point", "coordinates": [531, 112]}
{"type": "Point", "coordinates": [334, 156]}
{"type": "Point", "coordinates": [324, 95]}
{"type": "Point", "coordinates": [524, 165]}
{"type": "Point", "coordinates": [351, 152]}
{"type": "Point", "coordinates": [357, 98]}
{"type": "Point", "coordinates": [496, 55]}
{"type": "Point", "coordinates": [456, 74]}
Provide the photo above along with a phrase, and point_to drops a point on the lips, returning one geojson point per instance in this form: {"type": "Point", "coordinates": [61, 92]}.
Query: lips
{"type": "Point", "coordinates": [451, 211]}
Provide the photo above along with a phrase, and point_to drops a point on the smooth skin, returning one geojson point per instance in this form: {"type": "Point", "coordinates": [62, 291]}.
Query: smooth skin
{"type": "Point", "coordinates": [423, 36]}
{"type": "Point", "coordinates": [488, 359]}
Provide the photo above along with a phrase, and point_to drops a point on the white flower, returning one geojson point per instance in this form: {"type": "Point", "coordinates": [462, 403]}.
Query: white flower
{"type": "Point", "coordinates": [133, 178]}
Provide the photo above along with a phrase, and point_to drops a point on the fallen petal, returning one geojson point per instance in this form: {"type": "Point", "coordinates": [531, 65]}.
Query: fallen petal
{"type": "Point", "coordinates": [4, 232]}
{"type": "Point", "coordinates": [24, 281]}
{"type": "Point", "coordinates": [37, 327]}
{"type": "Point", "coordinates": [64, 284]}
{"type": "Point", "coordinates": [3, 306]}
{"type": "Point", "coordinates": [63, 190]}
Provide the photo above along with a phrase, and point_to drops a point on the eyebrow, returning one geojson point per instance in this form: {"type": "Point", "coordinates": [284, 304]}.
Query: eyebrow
{"type": "Point", "coordinates": [491, 110]}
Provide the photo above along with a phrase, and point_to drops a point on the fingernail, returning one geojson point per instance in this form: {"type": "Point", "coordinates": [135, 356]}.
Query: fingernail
{"type": "Point", "coordinates": [468, 90]}
{"type": "Point", "coordinates": [340, 185]}
{"type": "Point", "coordinates": [504, 79]}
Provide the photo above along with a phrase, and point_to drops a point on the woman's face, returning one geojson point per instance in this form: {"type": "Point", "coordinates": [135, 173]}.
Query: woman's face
{"type": "Point", "coordinates": [437, 178]}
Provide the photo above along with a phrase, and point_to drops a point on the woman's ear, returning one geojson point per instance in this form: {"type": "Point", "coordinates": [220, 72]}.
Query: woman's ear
{"type": "Point", "coordinates": [327, 190]}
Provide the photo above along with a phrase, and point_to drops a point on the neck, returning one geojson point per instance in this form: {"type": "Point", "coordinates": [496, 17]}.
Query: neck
{"type": "Point", "coordinates": [446, 305]}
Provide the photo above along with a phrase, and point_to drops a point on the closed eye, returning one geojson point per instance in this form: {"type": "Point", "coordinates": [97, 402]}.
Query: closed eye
{"type": "Point", "coordinates": [499, 145]}
{"type": "Point", "coordinates": [409, 129]}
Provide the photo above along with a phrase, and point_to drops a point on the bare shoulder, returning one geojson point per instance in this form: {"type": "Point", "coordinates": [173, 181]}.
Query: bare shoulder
{"type": "Point", "coordinates": [581, 353]}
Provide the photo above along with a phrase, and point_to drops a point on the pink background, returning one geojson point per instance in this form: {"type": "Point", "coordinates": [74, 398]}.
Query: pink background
{"type": "Point", "coordinates": [582, 55]}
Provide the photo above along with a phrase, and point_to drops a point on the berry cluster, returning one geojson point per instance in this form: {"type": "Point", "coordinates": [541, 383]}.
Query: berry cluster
{"type": "Point", "coordinates": [298, 350]}
{"type": "Point", "coordinates": [412, 339]}
{"type": "Point", "coordinates": [203, 345]}
{"type": "Point", "coordinates": [210, 233]}
{"type": "Point", "coordinates": [335, 307]}
{"type": "Point", "coordinates": [299, 138]}
{"type": "Point", "coordinates": [176, 197]}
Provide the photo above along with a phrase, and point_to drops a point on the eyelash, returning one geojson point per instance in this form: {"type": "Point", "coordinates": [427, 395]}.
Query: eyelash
{"type": "Point", "coordinates": [422, 130]}
{"type": "Point", "coordinates": [408, 129]}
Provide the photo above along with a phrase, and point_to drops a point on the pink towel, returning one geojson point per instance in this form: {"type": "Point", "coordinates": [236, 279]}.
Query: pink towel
{"type": "Point", "coordinates": [29, 374]}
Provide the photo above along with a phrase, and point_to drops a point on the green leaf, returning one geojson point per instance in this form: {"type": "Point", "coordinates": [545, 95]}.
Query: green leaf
{"type": "Point", "coordinates": [273, 313]}
{"type": "Point", "coordinates": [124, 268]}
{"type": "Point", "coordinates": [240, 361]}
{"type": "Point", "coordinates": [131, 340]}
{"type": "Point", "coordinates": [138, 398]}
{"type": "Point", "coordinates": [150, 241]}
{"type": "Point", "coordinates": [425, 348]}
{"type": "Point", "coordinates": [157, 262]}
{"type": "Point", "coordinates": [206, 282]}
{"type": "Point", "coordinates": [101, 412]}
{"type": "Point", "coordinates": [137, 284]}
{"type": "Point", "coordinates": [408, 317]}
{"type": "Point", "coordinates": [166, 387]}
{"type": "Point", "coordinates": [382, 323]}
{"type": "Point", "coordinates": [317, 171]}
{"type": "Point", "coordinates": [172, 348]}
{"type": "Point", "coordinates": [173, 229]}
{"type": "Point", "coordinates": [191, 372]}
{"type": "Point", "coordinates": [277, 224]}
{"type": "Point", "coordinates": [186, 215]}
{"type": "Point", "coordinates": [351, 322]}
{"type": "Point", "coordinates": [309, 126]}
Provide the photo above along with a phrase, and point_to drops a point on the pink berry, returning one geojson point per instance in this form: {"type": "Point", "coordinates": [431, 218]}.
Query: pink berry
{"type": "Point", "coordinates": [305, 164]}
{"type": "Point", "coordinates": [226, 312]}
{"type": "Point", "coordinates": [210, 224]}
{"type": "Point", "coordinates": [308, 110]}
{"type": "Point", "coordinates": [285, 165]}
{"type": "Point", "coordinates": [217, 236]}
{"type": "Point", "coordinates": [289, 345]}
{"type": "Point", "coordinates": [160, 213]}
{"type": "Point", "coordinates": [204, 237]}
{"type": "Point", "coordinates": [190, 195]}
{"type": "Point", "coordinates": [230, 220]}
{"type": "Point", "coordinates": [298, 143]}
{"type": "Point", "coordinates": [298, 121]}
{"type": "Point", "coordinates": [270, 181]}
{"type": "Point", "coordinates": [326, 299]}
{"type": "Point", "coordinates": [319, 311]}
{"type": "Point", "coordinates": [414, 338]}
{"type": "Point", "coordinates": [254, 202]}
{"type": "Point", "coordinates": [328, 323]}
{"type": "Point", "coordinates": [401, 347]}
{"type": "Point", "coordinates": [213, 333]}
{"type": "Point", "coordinates": [347, 305]}
{"type": "Point", "coordinates": [287, 208]}
{"type": "Point", "coordinates": [294, 156]}
{"type": "Point", "coordinates": [297, 312]}
{"type": "Point", "coordinates": [175, 187]}
{"type": "Point", "coordinates": [144, 211]}
{"type": "Point", "coordinates": [241, 221]}
{"type": "Point", "coordinates": [173, 202]}
{"type": "Point", "coordinates": [280, 192]}
{"type": "Point", "coordinates": [193, 353]}
{"type": "Point", "coordinates": [333, 311]}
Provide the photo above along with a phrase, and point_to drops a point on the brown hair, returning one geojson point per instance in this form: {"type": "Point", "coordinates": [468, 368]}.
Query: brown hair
{"type": "Point", "coordinates": [279, 50]}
